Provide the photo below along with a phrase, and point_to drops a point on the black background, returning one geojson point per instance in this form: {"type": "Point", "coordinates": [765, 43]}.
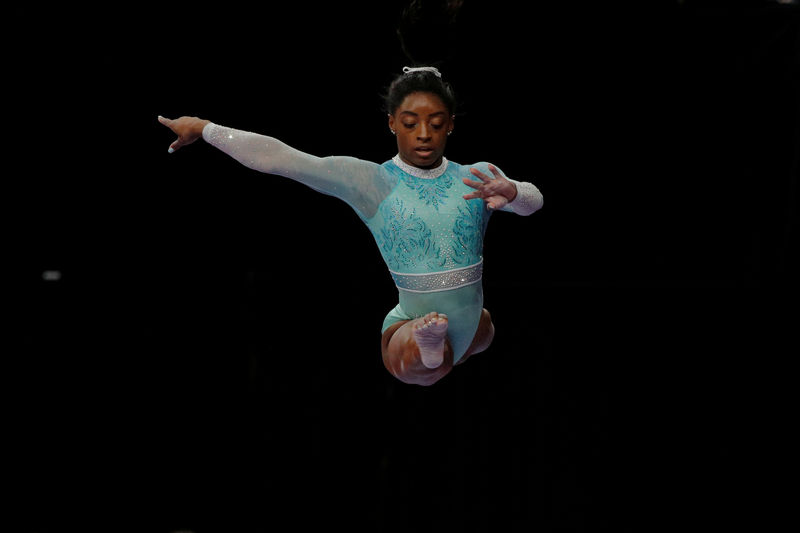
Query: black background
{"type": "Point", "coordinates": [209, 359]}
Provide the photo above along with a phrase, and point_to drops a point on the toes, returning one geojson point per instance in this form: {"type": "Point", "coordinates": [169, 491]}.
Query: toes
{"type": "Point", "coordinates": [433, 316]}
{"type": "Point", "coordinates": [433, 319]}
{"type": "Point", "coordinates": [427, 320]}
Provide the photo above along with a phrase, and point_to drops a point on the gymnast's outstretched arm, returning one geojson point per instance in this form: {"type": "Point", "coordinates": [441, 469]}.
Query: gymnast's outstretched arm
{"type": "Point", "coordinates": [355, 181]}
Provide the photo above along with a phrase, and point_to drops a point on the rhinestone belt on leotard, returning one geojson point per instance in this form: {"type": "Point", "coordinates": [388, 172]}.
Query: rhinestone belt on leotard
{"type": "Point", "coordinates": [439, 281]}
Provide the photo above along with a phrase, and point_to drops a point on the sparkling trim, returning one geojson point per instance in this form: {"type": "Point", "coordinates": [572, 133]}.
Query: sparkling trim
{"type": "Point", "coordinates": [422, 173]}
{"type": "Point", "coordinates": [212, 134]}
{"type": "Point", "coordinates": [528, 199]}
{"type": "Point", "coordinates": [439, 281]}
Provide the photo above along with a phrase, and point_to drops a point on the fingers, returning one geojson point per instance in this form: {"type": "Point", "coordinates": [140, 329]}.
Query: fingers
{"type": "Point", "coordinates": [487, 188]}
{"type": "Point", "coordinates": [492, 202]}
{"type": "Point", "coordinates": [491, 190]}
{"type": "Point", "coordinates": [482, 190]}
{"type": "Point", "coordinates": [177, 144]}
{"type": "Point", "coordinates": [492, 199]}
{"type": "Point", "coordinates": [477, 173]}
{"type": "Point", "coordinates": [175, 126]}
{"type": "Point", "coordinates": [496, 202]}
{"type": "Point", "coordinates": [168, 123]}
{"type": "Point", "coordinates": [472, 183]}
{"type": "Point", "coordinates": [497, 175]}
{"type": "Point", "coordinates": [493, 169]}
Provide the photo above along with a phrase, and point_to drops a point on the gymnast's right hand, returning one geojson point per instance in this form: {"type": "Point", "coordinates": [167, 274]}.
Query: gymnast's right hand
{"type": "Point", "coordinates": [188, 130]}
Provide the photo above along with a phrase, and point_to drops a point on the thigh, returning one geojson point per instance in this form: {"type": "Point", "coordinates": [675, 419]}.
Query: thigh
{"type": "Point", "coordinates": [388, 333]}
{"type": "Point", "coordinates": [396, 315]}
{"type": "Point", "coordinates": [483, 337]}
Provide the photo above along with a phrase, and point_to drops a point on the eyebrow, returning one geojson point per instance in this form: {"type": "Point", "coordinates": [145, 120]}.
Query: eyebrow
{"type": "Point", "coordinates": [416, 115]}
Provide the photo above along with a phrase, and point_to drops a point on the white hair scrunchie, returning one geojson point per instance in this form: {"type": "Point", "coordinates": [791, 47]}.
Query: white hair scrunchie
{"type": "Point", "coordinates": [408, 70]}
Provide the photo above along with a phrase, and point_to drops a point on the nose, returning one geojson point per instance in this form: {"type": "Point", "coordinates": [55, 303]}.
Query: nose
{"type": "Point", "coordinates": [424, 133]}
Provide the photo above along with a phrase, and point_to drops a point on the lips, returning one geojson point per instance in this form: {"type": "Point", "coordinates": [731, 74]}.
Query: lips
{"type": "Point", "coordinates": [423, 150]}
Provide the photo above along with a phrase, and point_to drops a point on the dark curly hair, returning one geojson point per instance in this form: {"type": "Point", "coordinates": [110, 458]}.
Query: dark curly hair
{"type": "Point", "coordinates": [418, 81]}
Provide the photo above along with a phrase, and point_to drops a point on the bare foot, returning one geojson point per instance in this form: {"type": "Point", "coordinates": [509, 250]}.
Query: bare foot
{"type": "Point", "coordinates": [429, 333]}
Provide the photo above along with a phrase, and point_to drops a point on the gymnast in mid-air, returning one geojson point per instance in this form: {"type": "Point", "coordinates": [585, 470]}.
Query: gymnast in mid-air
{"type": "Point", "coordinates": [428, 216]}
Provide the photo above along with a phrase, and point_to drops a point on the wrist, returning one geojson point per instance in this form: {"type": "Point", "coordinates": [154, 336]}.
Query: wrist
{"type": "Point", "coordinates": [513, 196]}
{"type": "Point", "coordinates": [200, 125]}
{"type": "Point", "coordinates": [527, 200]}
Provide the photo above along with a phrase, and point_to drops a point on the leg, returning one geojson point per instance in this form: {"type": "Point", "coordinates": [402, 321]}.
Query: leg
{"type": "Point", "coordinates": [417, 353]}
{"type": "Point", "coordinates": [483, 337]}
{"type": "Point", "coordinates": [402, 357]}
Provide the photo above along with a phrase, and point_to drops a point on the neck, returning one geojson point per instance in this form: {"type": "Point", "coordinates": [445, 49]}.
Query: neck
{"type": "Point", "coordinates": [433, 165]}
{"type": "Point", "coordinates": [428, 172]}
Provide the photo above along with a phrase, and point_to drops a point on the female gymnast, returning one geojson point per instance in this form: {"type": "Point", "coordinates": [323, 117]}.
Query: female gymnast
{"type": "Point", "coordinates": [428, 216]}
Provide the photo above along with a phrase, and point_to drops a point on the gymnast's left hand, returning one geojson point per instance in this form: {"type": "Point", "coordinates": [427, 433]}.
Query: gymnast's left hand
{"type": "Point", "coordinates": [496, 193]}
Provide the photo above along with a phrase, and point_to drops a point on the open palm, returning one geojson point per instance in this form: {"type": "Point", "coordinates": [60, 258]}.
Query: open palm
{"type": "Point", "coordinates": [496, 192]}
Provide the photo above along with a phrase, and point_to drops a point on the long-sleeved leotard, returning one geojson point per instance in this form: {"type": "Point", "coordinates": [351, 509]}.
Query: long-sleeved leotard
{"type": "Point", "coordinates": [429, 236]}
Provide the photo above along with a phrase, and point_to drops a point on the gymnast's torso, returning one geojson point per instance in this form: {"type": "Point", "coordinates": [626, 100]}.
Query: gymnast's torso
{"type": "Point", "coordinates": [432, 242]}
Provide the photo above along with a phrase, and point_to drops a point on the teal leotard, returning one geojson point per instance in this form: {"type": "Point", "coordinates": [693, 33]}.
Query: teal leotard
{"type": "Point", "coordinates": [429, 236]}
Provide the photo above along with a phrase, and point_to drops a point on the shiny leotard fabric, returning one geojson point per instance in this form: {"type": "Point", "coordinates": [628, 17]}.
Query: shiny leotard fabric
{"type": "Point", "coordinates": [424, 227]}
{"type": "Point", "coordinates": [429, 236]}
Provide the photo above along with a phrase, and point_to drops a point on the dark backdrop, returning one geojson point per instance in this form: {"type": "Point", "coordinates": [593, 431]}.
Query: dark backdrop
{"type": "Point", "coordinates": [209, 358]}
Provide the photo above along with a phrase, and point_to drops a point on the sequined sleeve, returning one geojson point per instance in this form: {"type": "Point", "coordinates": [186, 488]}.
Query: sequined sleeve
{"type": "Point", "coordinates": [355, 181]}
{"type": "Point", "coordinates": [528, 199]}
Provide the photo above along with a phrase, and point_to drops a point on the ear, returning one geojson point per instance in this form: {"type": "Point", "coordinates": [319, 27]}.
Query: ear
{"type": "Point", "coordinates": [452, 123]}
{"type": "Point", "coordinates": [391, 122]}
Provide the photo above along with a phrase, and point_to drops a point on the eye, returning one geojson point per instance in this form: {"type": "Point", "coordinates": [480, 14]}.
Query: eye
{"type": "Point", "coordinates": [409, 126]}
{"type": "Point", "coordinates": [437, 126]}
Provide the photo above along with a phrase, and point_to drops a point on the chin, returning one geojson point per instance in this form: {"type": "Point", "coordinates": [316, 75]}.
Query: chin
{"type": "Point", "coordinates": [424, 161]}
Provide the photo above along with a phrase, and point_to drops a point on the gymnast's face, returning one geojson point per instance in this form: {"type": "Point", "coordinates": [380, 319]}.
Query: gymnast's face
{"type": "Point", "coordinates": [421, 123]}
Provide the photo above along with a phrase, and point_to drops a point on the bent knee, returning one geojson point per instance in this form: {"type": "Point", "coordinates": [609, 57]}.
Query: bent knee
{"type": "Point", "coordinates": [402, 359]}
{"type": "Point", "coordinates": [483, 336]}
{"type": "Point", "coordinates": [413, 372]}
{"type": "Point", "coordinates": [487, 323]}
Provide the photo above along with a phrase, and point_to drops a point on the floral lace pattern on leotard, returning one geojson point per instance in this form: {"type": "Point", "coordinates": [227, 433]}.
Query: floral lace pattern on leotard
{"type": "Point", "coordinates": [405, 240]}
{"type": "Point", "coordinates": [431, 192]}
{"type": "Point", "coordinates": [467, 232]}
{"type": "Point", "coordinates": [431, 185]}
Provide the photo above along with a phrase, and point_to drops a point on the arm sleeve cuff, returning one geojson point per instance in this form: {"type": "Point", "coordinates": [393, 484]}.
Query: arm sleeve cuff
{"type": "Point", "coordinates": [528, 200]}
